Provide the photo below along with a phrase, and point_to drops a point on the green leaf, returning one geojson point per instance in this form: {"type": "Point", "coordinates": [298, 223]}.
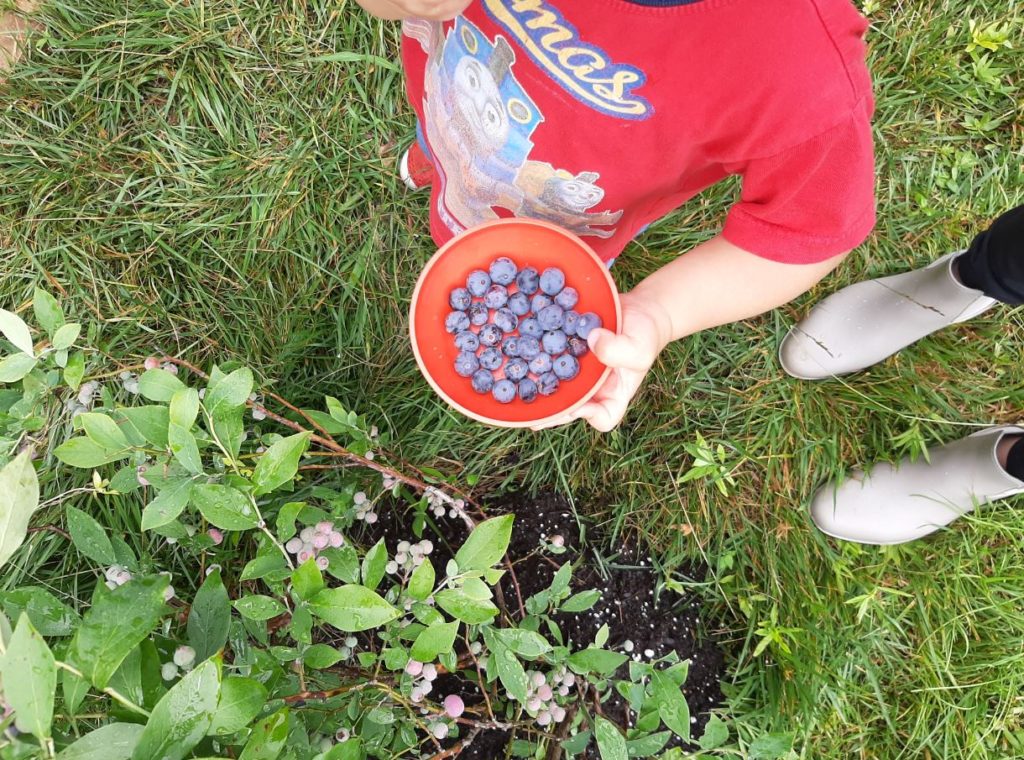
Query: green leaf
{"type": "Point", "coordinates": [19, 499]}
{"type": "Point", "coordinates": [66, 336]}
{"type": "Point", "coordinates": [74, 690]}
{"type": "Point", "coordinates": [457, 604]}
{"type": "Point", "coordinates": [258, 607]}
{"type": "Point", "coordinates": [595, 660]}
{"type": "Point", "coordinates": [279, 463]}
{"type": "Point", "coordinates": [114, 741]}
{"type": "Point", "coordinates": [321, 656]}
{"type": "Point", "coordinates": [648, 745]}
{"type": "Point", "coordinates": [286, 519]}
{"type": "Point", "coordinates": [672, 707]}
{"type": "Point", "coordinates": [352, 608]}
{"type": "Point", "coordinates": [352, 749]}
{"type": "Point", "coordinates": [159, 385]}
{"type": "Point", "coordinates": [103, 431]}
{"type": "Point", "coordinates": [167, 504]}
{"type": "Point", "coordinates": [184, 408]}
{"type": "Point", "coordinates": [241, 700]}
{"type": "Point", "coordinates": [182, 717]}
{"type": "Point", "coordinates": [770, 747]}
{"type": "Point", "coordinates": [183, 445]}
{"type": "Point", "coordinates": [263, 565]}
{"type": "Point", "coordinates": [209, 618]}
{"type": "Point", "coordinates": [716, 733]}
{"type": "Point", "coordinates": [74, 371]}
{"type": "Point", "coordinates": [344, 563]}
{"type": "Point", "coordinates": [15, 367]}
{"type": "Point", "coordinates": [509, 669]}
{"type": "Point", "coordinates": [267, 738]}
{"type": "Point", "coordinates": [118, 620]}
{"type": "Point", "coordinates": [307, 579]}
{"type": "Point", "coordinates": [89, 537]}
{"type": "Point", "coordinates": [29, 676]}
{"type": "Point", "coordinates": [228, 392]}
{"type": "Point", "coordinates": [610, 741]}
{"type": "Point", "coordinates": [422, 581]}
{"type": "Point", "coordinates": [525, 643]}
{"type": "Point", "coordinates": [582, 601]}
{"type": "Point", "coordinates": [49, 615]}
{"type": "Point", "coordinates": [48, 313]}
{"type": "Point", "coordinates": [374, 563]}
{"type": "Point", "coordinates": [225, 507]}
{"type": "Point", "coordinates": [433, 641]}
{"type": "Point", "coordinates": [486, 545]}
{"type": "Point", "coordinates": [85, 453]}
{"type": "Point", "coordinates": [16, 331]}
{"type": "Point", "coordinates": [150, 422]}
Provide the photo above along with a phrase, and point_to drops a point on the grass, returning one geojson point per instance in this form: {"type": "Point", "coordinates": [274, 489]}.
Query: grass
{"type": "Point", "coordinates": [216, 180]}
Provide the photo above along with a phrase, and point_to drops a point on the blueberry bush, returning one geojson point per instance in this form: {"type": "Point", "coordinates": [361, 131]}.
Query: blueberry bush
{"type": "Point", "coordinates": [286, 636]}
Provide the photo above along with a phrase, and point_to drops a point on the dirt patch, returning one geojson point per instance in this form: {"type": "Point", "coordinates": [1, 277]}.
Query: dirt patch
{"type": "Point", "coordinates": [14, 29]}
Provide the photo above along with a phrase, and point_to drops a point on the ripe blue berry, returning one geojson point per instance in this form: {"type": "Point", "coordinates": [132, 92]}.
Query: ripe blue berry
{"type": "Point", "coordinates": [504, 391]}
{"type": "Point", "coordinates": [510, 346]}
{"type": "Point", "coordinates": [552, 280]}
{"type": "Point", "coordinates": [528, 347]}
{"type": "Point", "coordinates": [467, 341]}
{"type": "Point", "coordinates": [491, 358]}
{"type": "Point", "coordinates": [528, 280]}
{"type": "Point", "coordinates": [496, 297]}
{"type": "Point", "coordinates": [541, 364]}
{"type": "Point", "coordinates": [572, 318]}
{"type": "Point", "coordinates": [479, 314]}
{"type": "Point", "coordinates": [554, 342]}
{"type": "Point", "coordinates": [566, 367]}
{"type": "Point", "coordinates": [577, 346]}
{"type": "Point", "coordinates": [503, 271]}
{"type": "Point", "coordinates": [547, 384]}
{"type": "Point", "coordinates": [551, 317]}
{"type": "Point", "coordinates": [531, 327]}
{"type": "Point", "coordinates": [519, 303]}
{"type": "Point", "coordinates": [527, 390]}
{"type": "Point", "coordinates": [538, 302]}
{"type": "Point", "coordinates": [482, 381]}
{"type": "Point", "coordinates": [456, 322]}
{"type": "Point", "coordinates": [466, 364]}
{"type": "Point", "coordinates": [588, 322]}
{"type": "Point", "coordinates": [567, 298]}
{"type": "Point", "coordinates": [516, 369]}
{"type": "Point", "coordinates": [477, 282]}
{"type": "Point", "coordinates": [460, 299]}
{"type": "Point", "coordinates": [490, 335]}
{"type": "Point", "coordinates": [506, 320]}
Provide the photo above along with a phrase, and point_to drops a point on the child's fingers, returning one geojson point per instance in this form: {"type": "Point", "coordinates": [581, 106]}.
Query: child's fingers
{"type": "Point", "coordinates": [618, 351]}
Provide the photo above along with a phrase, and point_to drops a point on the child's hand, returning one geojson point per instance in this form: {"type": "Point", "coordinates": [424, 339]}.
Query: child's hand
{"type": "Point", "coordinates": [434, 10]}
{"type": "Point", "coordinates": [630, 354]}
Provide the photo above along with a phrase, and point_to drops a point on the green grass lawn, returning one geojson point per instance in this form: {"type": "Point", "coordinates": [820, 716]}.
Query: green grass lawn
{"type": "Point", "coordinates": [217, 180]}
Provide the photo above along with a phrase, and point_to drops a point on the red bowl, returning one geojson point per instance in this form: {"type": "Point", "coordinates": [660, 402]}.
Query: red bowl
{"type": "Point", "coordinates": [527, 243]}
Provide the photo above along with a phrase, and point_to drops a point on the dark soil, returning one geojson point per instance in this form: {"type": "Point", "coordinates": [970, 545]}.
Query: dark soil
{"type": "Point", "coordinates": [628, 605]}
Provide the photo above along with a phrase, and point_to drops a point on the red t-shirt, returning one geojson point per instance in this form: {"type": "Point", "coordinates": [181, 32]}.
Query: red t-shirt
{"type": "Point", "coordinates": [603, 115]}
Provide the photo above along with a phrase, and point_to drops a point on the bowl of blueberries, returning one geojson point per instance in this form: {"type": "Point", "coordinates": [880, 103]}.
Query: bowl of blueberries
{"type": "Point", "coordinates": [500, 318]}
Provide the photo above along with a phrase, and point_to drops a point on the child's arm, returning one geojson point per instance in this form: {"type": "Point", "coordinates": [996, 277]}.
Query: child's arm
{"type": "Point", "coordinates": [714, 284]}
{"type": "Point", "coordinates": [395, 10]}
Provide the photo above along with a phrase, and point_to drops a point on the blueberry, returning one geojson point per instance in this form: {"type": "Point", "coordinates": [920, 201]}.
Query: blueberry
{"type": "Point", "coordinates": [551, 317]}
{"type": "Point", "coordinates": [490, 335]}
{"type": "Point", "coordinates": [455, 322]}
{"type": "Point", "coordinates": [466, 364]}
{"type": "Point", "coordinates": [577, 346]}
{"type": "Point", "coordinates": [479, 314]}
{"type": "Point", "coordinates": [482, 381]}
{"type": "Point", "coordinates": [565, 367]}
{"type": "Point", "coordinates": [588, 322]}
{"type": "Point", "coordinates": [516, 369]}
{"type": "Point", "coordinates": [506, 320]}
{"type": "Point", "coordinates": [528, 347]}
{"type": "Point", "coordinates": [528, 280]}
{"type": "Point", "coordinates": [460, 299]}
{"type": "Point", "coordinates": [554, 342]}
{"type": "Point", "coordinates": [572, 319]}
{"type": "Point", "coordinates": [504, 391]}
{"type": "Point", "coordinates": [491, 358]}
{"type": "Point", "coordinates": [531, 327]}
{"type": "Point", "coordinates": [510, 346]}
{"type": "Point", "coordinates": [496, 297]}
{"type": "Point", "coordinates": [567, 298]}
{"type": "Point", "coordinates": [541, 364]}
{"type": "Point", "coordinates": [547, 384]}
{"type": "Point", "coordinates": [467, 341]}
{"type": "Point", "coordinates": [539, 302]}
{"type": "Point", "coordinates": [503, 271]}
{"type": "Point", "coordinates": [527, 390]}
{"type": "Point", "coordinates": [552, 280]}
{"type": "Point", "coordinates": [477, 282]}
{"type": "Point", "coordinates": [519, 303]}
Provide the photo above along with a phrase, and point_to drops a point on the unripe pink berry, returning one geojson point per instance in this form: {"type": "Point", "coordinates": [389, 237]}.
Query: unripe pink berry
{"type": "Point", "coordinates": [543, 718]}
{"type": "Point", "coordinates": [454, 706]}
{"type": "Point", "coordinates": [323, 563]}
{"type": "Point", "coordinates": [558, 713]}
{"type": "Point", "coordinates": [533, 704]}
{"type": "Point", "coordinates": [544, 692]}
{"type": "Point", "coordinates": [336, 539]}
{"type": "Point", "coordinates": [304, 555]}
{"type": "Point", "coordinates": [151, 362]}
{"type": "Point", "coordinates": [215, 535]}
{"type": "Point", "coordinates": [430, 672]}
{"type": "Point", "coordinates": [306, 534]}
{"type": "Point", "coordinates": [414, 667]}
{"type": "Point", "coordinates": [320, 541]}
{"type": "Point", "coordinates": [439, 730]}
{"type": "Point", "coordinates": [371, 518]}
{"type": "Point", "coordinates": [416, 695]}
{"type": "Point", "coordinates": [557, 541]}
{"type": "Point", "coordinates": [325, 526]}
{"type": "Point", "coordinates": [537, 679]}
{"type": "Point", "coordinates": [294, 545]}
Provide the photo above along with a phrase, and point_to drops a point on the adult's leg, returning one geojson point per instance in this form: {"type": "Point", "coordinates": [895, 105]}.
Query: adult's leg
{"type": "Point", "coordinates": [994, 264]}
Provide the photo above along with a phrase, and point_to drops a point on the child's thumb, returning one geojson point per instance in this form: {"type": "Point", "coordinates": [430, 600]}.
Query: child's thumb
{"type": "Point", "coordinates": [617, 351]}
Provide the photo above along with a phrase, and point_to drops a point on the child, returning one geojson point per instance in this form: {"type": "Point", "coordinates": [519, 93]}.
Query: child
{"type": "Point", "coordinates": [604, 115]}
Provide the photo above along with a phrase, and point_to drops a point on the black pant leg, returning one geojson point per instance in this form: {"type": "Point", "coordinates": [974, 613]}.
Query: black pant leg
{"type": "Point", "coordinates": [994, 264]}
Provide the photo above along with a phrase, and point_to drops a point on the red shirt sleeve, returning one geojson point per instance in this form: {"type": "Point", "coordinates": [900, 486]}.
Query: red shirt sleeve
{"type": "Point", "coordinates": [810, 202]}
